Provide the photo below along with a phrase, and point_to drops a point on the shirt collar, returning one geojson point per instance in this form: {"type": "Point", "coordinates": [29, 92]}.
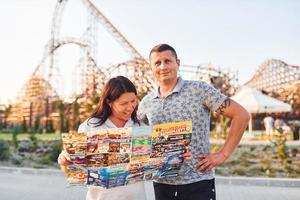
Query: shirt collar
{"type": "Point", "coordinates": [110, 124]}
{"type": "Point", "coordinates": [177, 88]}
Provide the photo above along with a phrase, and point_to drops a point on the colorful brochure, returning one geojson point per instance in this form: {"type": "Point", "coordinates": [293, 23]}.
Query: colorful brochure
{"type": "Point", "coordinates": [119, 156]}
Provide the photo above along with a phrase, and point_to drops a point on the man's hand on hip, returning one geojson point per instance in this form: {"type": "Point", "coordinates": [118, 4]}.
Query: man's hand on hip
{"type": "Point", "coordinates": [210, 160]}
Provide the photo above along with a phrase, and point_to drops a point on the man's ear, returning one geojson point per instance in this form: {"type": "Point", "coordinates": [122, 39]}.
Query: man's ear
{"type": "Point", "coordinates": [178, 62]}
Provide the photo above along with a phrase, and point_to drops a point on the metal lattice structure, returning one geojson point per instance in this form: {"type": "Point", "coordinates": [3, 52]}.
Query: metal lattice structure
{"type": "Point", "coordinates": [225, 81]}
{"type": "Point", "coordinates": [280, 80]}
{"type": "Point", "coordinates": [45, 83]}
{"type": "Point", "coordinates": [120, 38]}
{"type": "Point", "coordinates": [42, 93]}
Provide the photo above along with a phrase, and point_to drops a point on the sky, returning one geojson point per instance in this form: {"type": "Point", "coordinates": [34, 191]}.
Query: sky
{"type": "Point", "coordinates": [236, 34]}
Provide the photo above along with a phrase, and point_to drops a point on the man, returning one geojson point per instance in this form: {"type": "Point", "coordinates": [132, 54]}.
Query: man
{"type": "Point", "coordinates": [269, 125]}
{"type": "Point", "coordinates": [179, 100]}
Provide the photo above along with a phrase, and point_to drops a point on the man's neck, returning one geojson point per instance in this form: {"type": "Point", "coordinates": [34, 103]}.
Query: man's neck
{"type": "Point", "coordinates": [166, 88]}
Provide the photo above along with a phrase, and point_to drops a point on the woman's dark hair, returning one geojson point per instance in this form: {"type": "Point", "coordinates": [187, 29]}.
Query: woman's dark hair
{"type": "Point", "coordinates": [112, 90]}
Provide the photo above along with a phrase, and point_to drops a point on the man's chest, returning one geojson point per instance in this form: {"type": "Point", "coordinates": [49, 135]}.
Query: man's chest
{"type": "Point", "coordinates": [173, 109]}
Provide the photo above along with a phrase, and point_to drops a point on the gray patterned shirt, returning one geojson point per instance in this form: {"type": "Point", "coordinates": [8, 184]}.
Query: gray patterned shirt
{"type": "Point", "coordinates": [189, 101]}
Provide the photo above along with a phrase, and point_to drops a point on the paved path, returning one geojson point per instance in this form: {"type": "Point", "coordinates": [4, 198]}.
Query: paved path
{"type": "Point", "coordinates": [243, 192]}
{"type": "Point", "coordinates": [19, 186]}
{"type": "Point", "coordinates": [26, 185]}
{"type": "Point", "coordinates": [290, 143]}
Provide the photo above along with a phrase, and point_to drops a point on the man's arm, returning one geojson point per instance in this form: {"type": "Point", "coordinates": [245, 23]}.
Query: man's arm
{"type": "Point", "coordinates": [239, 120]}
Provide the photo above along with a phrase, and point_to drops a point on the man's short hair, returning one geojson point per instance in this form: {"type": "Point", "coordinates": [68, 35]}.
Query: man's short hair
{"type": "Point", "coordinates": [163, 47]}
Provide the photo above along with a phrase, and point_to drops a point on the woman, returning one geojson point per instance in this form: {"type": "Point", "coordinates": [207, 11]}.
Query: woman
{"type": "Point", "coordinates": [116, 109]}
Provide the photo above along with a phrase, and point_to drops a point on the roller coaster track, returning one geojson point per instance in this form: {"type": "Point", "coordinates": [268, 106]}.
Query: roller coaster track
{"type": "Point", "coordinates": [42, 88]}
{"type": "Point", "coordinates": [280, 80]}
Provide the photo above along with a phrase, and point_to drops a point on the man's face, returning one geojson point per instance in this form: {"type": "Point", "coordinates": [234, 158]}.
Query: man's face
{"type": "Point", "coordinates": [164, 66]}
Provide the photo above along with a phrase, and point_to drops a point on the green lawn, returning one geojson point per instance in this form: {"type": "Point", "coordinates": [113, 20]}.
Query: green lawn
{"type": "Point", "coordinates": [44, 136]}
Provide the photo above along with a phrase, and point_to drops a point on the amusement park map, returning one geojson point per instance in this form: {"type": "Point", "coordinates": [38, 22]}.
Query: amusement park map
{"type": "Point", "coordinates": [119, 156]}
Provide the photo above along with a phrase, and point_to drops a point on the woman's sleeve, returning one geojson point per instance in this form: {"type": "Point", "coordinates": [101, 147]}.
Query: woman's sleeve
{"type": "Point", "coordinates": [83, 127]}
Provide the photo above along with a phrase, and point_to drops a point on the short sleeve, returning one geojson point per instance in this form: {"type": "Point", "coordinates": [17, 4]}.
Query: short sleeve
{"type": "Point", "coordinates": [83, 127]}
{"type": "Point", "coordinates": [212, 97]}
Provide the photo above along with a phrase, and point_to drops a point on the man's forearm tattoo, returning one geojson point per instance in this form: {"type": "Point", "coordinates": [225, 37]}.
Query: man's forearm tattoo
{"type": "Point", "coordinates": [223, 106]}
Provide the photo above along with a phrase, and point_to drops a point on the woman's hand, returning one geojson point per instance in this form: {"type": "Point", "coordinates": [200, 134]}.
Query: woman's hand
{"type": "Point", "coordinates": [64, 160]}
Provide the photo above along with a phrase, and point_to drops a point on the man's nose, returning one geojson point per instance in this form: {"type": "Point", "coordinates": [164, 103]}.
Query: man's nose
{"type": "Point", "coordinates": [162, 66]}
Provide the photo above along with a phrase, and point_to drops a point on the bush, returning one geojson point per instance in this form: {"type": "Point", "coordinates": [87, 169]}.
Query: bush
{"type": "Point", "coordinates": [241, 171]}
{"type": "Point", "coordinates": [4, 150]}
{"type": "Point", "coordinates": [16, 159]}
{"type": "Point", "coordinates": [33, 142]}
{"type": "Point", "coordinates": [45, 159]}
{"type": "Point", "coordinates": [48, 157]}
{"type": "Point", "coordinates": [15, 139]}
{"type": "Point", "coordinates": [57, 147]}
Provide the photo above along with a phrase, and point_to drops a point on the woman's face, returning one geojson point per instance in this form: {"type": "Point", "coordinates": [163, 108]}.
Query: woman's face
{"type": "Point", "coordinates": [123, 107]}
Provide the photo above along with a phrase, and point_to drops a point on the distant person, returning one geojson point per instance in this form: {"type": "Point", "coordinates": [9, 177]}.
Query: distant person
{"type": "Point", "coordinates": [116, 109]}
{"type": "Point", "coordinates": [281, 126]}
{"type": "Point", "coordinates": [269, 125]}
{"type": "Point", "coordinates": [177, 100]}
{"type": "Point", "coordinates": [295, 128]}
{"type": "Point", "coordinates": [278, 123]}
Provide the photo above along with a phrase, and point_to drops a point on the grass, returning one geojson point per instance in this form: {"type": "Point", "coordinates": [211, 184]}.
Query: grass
{"type": "Point", "coordinates": [20, 136]}
{"type": "Point", "coordinates": [261, 161]}
{"type": "Point", "coordinates": [256, 135]}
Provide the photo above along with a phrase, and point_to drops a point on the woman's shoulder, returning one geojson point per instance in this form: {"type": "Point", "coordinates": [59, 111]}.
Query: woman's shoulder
{"type": "Point", "coordinates": [87, 125]}
{"type": "Point", "coordinates": [92, 124]}
{"type": "Point", "coordinates": [83, 126]}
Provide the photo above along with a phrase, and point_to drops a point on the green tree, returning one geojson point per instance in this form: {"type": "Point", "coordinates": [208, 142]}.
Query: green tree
{"type": "Point", "coordinates": [279, 142]}
{"type": "Point", "coordinates": [24, 126]}
{"type": "Point", "coordinates": [7, 112]}
{"type": "Point", "coordinates": [61, 110]}
{"type": "Point", "coordinates": [49, 128]}
{"type": "Point", "coordinates": [76, 114]}
{"type": "Point", "coordinates": [37, 124]}
{"type": "Point", "coordinates": [15, 138]}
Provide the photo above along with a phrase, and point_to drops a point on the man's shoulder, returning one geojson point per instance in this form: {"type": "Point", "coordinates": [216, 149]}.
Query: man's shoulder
{"type": "Point", "coordinates": [195, 84]}
{"type": "Point", "coordinates": [148, 97]}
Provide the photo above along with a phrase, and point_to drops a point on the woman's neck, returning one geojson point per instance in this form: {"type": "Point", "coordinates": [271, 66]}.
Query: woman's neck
{"type": "Point", "coordinates": [119, 123]}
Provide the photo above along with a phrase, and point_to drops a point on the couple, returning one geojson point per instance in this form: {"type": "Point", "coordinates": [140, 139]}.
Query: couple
{"type": "Point", "coordinates": [174, 100]}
